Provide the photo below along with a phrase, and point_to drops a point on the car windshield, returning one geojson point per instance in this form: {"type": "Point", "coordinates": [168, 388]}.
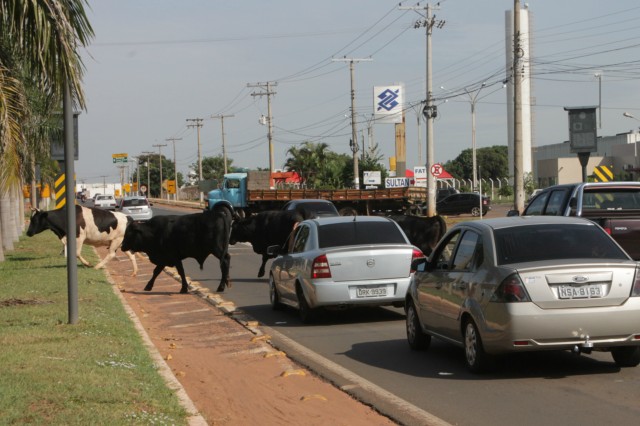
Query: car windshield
{"type": "Point", "coordinates": [558, 241]}
{"type": "Point", "coordinates": [355, 233]}
{"type": "Point", "coordinates": [134, 202]}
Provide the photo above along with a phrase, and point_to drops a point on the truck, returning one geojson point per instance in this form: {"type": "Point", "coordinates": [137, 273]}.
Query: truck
{"type": "Point", "coordinates": [253, 192]}
{"type": "Point", "coordinates": [615, 206]}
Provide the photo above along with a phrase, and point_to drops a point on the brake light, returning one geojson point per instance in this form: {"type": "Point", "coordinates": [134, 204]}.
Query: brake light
{"type": "Point", "coordinates": [511, 290]}
{"type": "Point", "coordinates": [607, 230]}
{"type": "Point", "coordinates": [416, 254]}
{"type": "Point", "coordinates": [635, 291]}
{"type": "Point", "coordinates": [320, 267]}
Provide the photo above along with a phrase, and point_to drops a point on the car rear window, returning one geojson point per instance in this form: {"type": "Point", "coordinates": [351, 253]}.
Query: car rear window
{"type": "Point", "coordinates": [548, 242]}
{"type": "Point", "coordinates": [608, 199]}
{"type": "Point", "coordinates": [135, 202]}
{"type": "Point", "coordinates": [354, 233]}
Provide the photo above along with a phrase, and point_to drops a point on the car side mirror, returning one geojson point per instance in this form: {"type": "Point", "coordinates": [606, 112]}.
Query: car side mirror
{"type": "Point", "coordinates": [511, 213]}
{"type": "Point", "coordinates": [274, 250]}
{"type": "Point", "coordinates": [419, 264]}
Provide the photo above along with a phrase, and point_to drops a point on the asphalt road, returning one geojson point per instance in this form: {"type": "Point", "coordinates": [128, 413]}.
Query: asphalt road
{"type": "Point", "coordinates": [529, 389]}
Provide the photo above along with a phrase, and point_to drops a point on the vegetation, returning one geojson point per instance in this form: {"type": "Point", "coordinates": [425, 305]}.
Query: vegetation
{"type": "Point", "coordinates": [493, 162]}
{"type": "Point", "coordinates": [95, 372]}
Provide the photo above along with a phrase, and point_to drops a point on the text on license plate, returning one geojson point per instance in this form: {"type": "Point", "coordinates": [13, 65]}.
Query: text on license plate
{"type": "Point", "coordinates": [581, 292]}
{"type": "Point", "coordinates": [371, 291]}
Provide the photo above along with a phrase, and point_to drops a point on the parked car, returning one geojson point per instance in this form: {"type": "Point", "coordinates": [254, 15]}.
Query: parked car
{"type": "Point", "coordinates": [313, 207]}
{"type": "Point", "coordinates": [519, 284]}
{"type": "Point", "coordinates": [107, 202]}
{"type": "Point", "coordinates": [341, 262]}
{"type": "Point", "coordinates": [463, 203]}
{"type": "Point", "coordinates": [137, 207]}
{"type": "Point", "coordinates": [443, 193]}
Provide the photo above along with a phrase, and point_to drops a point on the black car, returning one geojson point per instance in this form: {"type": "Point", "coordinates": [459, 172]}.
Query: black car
{"type": "Point", "coordinates": [312, 207]}
{"type": "Point", "coordinates": [443, 193]}
{"type": "Point", "coordinates": [463, 203]}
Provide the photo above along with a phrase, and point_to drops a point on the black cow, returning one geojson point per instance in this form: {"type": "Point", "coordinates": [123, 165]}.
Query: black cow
{"type": "Point", "coordinates": [169, 239]}
{"type": "Point", "coordinates": [94, 226]}
{"type": "Point", "coordinates": [265, 229]}
{"type": "Point", "coordinates": [423, 232]}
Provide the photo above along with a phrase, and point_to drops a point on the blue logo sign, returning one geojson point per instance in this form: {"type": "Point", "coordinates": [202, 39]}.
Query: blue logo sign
{"type": "Point", "coordinates": [388, 99]}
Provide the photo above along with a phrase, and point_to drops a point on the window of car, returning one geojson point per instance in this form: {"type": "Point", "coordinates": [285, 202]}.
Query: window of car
{"type": "Point", "coordinates": [301, 237]}
{"type": "Point", "coordinates": [135, 202]}
{"type": "Point", "coordinates": [536, 206]}
{"type": "Point", "coordinates": [556, 201]}
{"type": "Point", "coordinates": [465, 252]}
{"type": "Point", "coordinates": [445, 251]}
{"type": "Point", "coordinates": [233, 183]}
{"type": "Point", "coordinates": [356, 233]}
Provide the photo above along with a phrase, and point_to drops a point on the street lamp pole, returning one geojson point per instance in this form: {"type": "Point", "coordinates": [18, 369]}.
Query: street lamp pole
{"type": "Point", "coordinates": [473, 99]}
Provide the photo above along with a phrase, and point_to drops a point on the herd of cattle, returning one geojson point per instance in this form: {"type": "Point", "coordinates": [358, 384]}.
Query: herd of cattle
{"type": "Point", "coordinates": [168, 239]}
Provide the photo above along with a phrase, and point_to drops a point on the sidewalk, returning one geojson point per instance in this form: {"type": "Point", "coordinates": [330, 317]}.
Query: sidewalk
{"type": "Point", "coordinates": [225, 371]}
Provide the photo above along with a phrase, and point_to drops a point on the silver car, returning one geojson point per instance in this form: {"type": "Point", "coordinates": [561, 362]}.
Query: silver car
{"type": "Point", "coordinates": [530, 283]}
{"type": "Point", "coordinates": [138, 208]}
{"type": "Point", "coordinates": [342, 261]}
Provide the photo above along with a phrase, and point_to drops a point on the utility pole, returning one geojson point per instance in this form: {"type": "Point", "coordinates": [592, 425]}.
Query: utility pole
{"type": "Point", "coordinates": [148, 191]}
{"type": "Point", "coordinates": [267, 92]}
{"type": "Point", "coordinates": [354, 130]}
{"type": "Point", "coordinates": [197, 124]}
{"type": "Point", "coordinates": [518, 158]}
{"type": "Point", "coordinates": [175, 165]}
{"type": "Point", "coordinates": [159, 146]}
{"type": "Point", "coordinates": [430, 110]}
{"type": "Point", "coordinates": [224, 146]}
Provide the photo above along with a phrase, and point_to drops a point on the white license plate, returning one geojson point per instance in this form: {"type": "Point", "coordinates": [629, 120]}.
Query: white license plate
{"type": "Point", "coordinates": [371, 291]}
{"type": "Point", "coordinates": [581, 292]}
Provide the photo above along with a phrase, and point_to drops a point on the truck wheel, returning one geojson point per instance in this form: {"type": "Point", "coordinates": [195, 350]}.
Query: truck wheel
{"type": "Point", "coordinates": [348, 211]}
{"type": "Point", "coordinates": [475, 211]}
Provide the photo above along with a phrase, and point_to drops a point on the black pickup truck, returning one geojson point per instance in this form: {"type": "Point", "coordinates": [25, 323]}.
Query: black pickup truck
{"type": "Point", "coordinates": [615, 206]}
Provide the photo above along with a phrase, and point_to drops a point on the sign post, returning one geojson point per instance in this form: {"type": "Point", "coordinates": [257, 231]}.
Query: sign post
{"type": "Point", "coordinates": [583, 135]}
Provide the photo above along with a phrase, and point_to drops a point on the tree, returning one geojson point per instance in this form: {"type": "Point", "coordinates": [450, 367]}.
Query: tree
{"type": "Point", "coordinates": [309, 161]}
{"type": "Point", "coordinates": [493, 163]}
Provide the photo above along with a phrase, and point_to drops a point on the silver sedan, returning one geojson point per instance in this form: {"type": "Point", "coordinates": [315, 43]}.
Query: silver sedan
{"type": "Point", "coordinates": [340, 262]}
{"type": "Point", "coordinates": [527, 284]}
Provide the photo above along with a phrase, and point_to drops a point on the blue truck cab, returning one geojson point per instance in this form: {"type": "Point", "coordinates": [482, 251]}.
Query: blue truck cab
{"type": "Point", "coordinates": [233, 190]}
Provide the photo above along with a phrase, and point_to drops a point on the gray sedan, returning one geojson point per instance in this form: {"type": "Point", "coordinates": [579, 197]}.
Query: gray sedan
{"type": "Point", "coordinates": [527, 284]}
{"type": "Point", "coordinates": [340, 262]}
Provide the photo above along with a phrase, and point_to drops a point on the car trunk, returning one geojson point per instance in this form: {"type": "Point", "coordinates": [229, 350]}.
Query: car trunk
{"type": "Point", "coordinates": [381, 262]}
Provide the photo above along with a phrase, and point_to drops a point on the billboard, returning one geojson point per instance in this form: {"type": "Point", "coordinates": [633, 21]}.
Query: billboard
{"type": "Point", "coordinates": [387, 104]}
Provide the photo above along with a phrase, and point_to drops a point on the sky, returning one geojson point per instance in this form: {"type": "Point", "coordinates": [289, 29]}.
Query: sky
{"type": "Point", "coordinates": [154, 64]}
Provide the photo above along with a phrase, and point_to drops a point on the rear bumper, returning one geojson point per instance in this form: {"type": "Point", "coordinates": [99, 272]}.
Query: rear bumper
{"type": "Point", "coordinates": [344, 294]}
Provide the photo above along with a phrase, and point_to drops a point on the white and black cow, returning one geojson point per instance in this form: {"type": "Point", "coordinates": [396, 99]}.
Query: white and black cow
{"type": "Point", "coordinates": [168, 239]}
{"type": "Point", "coordinates": [94, 226]}
{"type": "Point", "coordinates": [265, 229]}
{"type": "Point", "coordinates": [423, 232]}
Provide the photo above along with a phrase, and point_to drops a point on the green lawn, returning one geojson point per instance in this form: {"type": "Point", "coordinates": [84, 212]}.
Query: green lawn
{"type": "Point", "coordinates": [51, 372]}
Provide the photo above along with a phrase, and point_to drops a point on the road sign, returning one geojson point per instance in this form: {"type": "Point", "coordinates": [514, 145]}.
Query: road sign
{"type": "Point", "coordinates": [120, 158]}
{"type": "Point", "coordinates": [143, 189]}
{"type": "Point", "coordinates": [436, 170]}
{"type": "Point", "coordinates": [420, 176]}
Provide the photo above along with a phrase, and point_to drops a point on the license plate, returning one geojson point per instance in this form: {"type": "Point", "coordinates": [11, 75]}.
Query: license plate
{"type": "Point", "coordinates": [581, 292]}
{"type": "Point", "coordinates": [371, 291]}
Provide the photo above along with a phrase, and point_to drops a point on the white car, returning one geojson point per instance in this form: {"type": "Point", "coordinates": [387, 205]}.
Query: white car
{"type": "Point", "coordinates": [138, 208]}
{"type": "Point", "coordinates": [340, 262]}
{"type": "Point", "coordinates": [107, 202]}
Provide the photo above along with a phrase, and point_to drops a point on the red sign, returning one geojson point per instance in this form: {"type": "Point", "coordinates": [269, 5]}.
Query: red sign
{"type": "Point", "coordinates": [436, 170]}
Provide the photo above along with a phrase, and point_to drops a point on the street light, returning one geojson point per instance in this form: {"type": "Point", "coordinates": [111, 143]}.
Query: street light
{"type": "Point", "coordinates": [473, 98]}
{"type": "Point", "coordinates": [598, 75]}
{"type": "Point", "coordinates": [626, 114]}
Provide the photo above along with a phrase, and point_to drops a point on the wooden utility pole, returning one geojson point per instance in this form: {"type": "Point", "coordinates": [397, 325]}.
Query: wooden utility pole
{"type": "Point", "coordinates": [197, 124]}
{"type": "Point", "coordinates": [224, 146]}
{"type": "Point", "coordinates": [175, 164]}
{"type": "Point", "coordinates": [267, 92]}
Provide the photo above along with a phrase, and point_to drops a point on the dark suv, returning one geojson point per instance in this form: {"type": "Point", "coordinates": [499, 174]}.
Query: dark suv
{"type": "Point", "coordinates": [463, 203]}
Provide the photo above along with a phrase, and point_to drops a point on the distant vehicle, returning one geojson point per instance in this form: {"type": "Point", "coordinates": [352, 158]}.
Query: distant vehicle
{"type": "Point", "coordinates": [107, 202]}
{"type": "Point", "coordinates": [136, 207]}
{"type": "Point", "coordinates": [615, 206]}
{"type": "Point", "coordinates": [443, 193]}
{"type": "Point", "coordinates": [521, 284]}
{"type": "Point", "coordinates": [464, 203]}
{"type": "Point", "coordinates": [313, 207]}
{"type": "Point", "coordinates": [340, 262]}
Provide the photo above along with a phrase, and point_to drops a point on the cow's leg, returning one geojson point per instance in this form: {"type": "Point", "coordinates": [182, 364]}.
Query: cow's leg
{"type": "Point", "coordinates": [225, 261]}
{"type": "Point", "coordinates": [156, 272]}
{"type": "Point", "coordinates": [185, 285]}
{"type": "Point", "coordinates": [80, 242]}
{"type": "Point", "coordinates": [132, 257]}
{"type": "Point", "coordinates": [108, 257]}
{"type": "Point", "coordinates": [262, 266]}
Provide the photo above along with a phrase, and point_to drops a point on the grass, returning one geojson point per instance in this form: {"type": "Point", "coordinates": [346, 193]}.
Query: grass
{"type": "Point", "coordinates": [94, 372]}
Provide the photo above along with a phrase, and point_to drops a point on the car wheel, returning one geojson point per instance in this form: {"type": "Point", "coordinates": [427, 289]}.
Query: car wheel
{"type": "Point", "coordinates": [274, 297]}
{"type": "Point", "coordinates": [475, 211]}
{"type": "Point", "coordinates": [307, 314]}
{"type": "Point", "coordinates": [626, 356]}
{"type": "Point", "coordinates": [475, 356]}
{"type": "Point", "coordinates": [416, 338]}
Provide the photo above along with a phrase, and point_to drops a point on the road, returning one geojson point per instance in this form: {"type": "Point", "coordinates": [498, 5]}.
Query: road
{"type": "Point", "coordinates": [529, 389]}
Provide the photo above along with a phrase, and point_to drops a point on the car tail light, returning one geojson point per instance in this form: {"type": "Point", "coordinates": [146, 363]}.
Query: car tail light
{"type": "Point", "coordinates": [320, 267]}
{"type": "Point", "coordinates": [607, 230]}
{"type": "Point", "coordinates": [635, 291]}
{"type": "Point", "coordinates": [417, 254]}
{"type": "Point", "coordinates": [511, 290]}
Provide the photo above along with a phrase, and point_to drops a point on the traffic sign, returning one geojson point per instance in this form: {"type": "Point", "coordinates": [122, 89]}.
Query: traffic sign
{"type": "Point", "coordinates": [120, 158]}
{"type": "Point", "coordinates": [143, 189]}
{"type": "Point", "coordinates": [436, 170]}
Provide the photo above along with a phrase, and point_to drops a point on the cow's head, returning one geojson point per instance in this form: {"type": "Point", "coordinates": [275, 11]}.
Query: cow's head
{"type": "Point", "coordinates": [38, 222]}
{"type": "Point", "coordinates": [242, 230]}
{"type": "Point", "coordinates": [133, 237]}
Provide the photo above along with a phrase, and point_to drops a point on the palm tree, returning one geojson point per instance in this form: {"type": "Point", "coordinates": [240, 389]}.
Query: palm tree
{"type": "Point", "coordinates": [38, 50]}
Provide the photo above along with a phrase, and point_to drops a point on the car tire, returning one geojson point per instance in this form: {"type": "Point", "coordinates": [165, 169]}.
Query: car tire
{"type": "Point", "coordinates": [626, 356]}
{"type": "Point", "coordinates": [476, 358]}
{"type": "Point", "coordinates": [475, 211]}
{"type": "Point", "coordinates": [274, 297]}
{"type": "Point", "coordinates": [417, 339]}
{"type": "Point", "coordinates": [307, 314]}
